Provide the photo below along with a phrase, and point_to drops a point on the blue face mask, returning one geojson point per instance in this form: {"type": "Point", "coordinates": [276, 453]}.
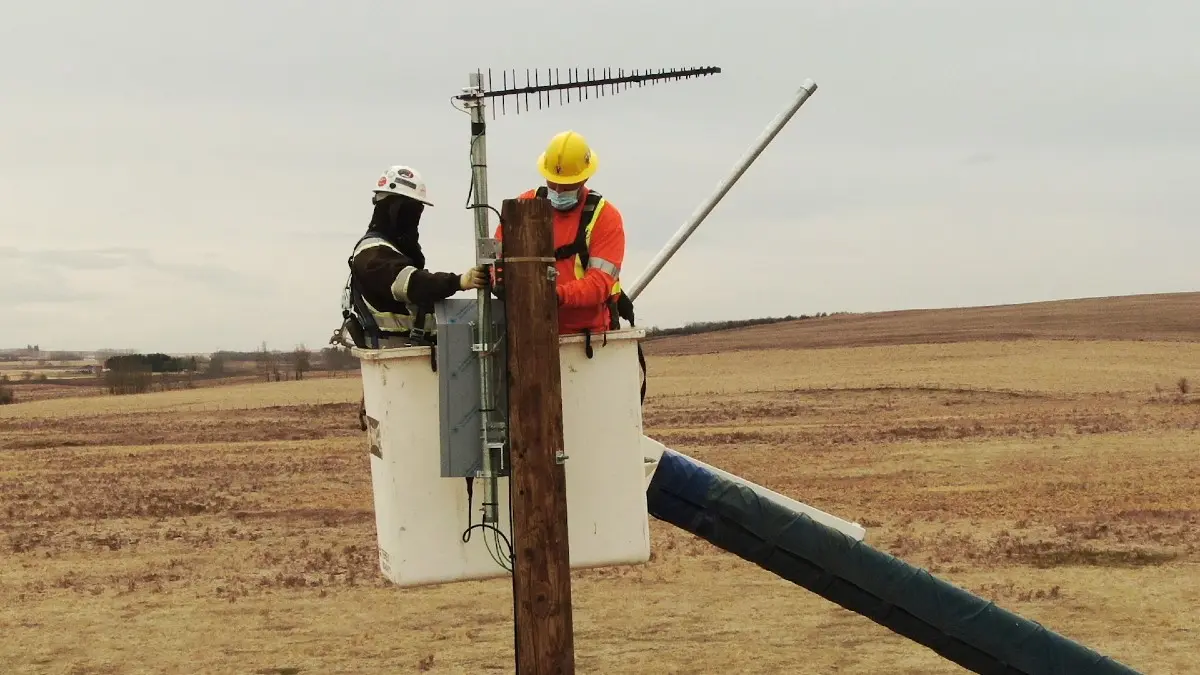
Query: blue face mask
{"type": "Point", "coordinates": [563, 201]}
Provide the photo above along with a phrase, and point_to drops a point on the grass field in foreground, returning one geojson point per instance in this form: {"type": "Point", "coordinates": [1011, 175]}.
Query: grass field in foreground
{"type": "Point", "coordinates": [230, 530]}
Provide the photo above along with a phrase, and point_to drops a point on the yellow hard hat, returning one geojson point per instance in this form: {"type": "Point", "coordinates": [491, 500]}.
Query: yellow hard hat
{"type": "Point", "coordinates": [567, 159]}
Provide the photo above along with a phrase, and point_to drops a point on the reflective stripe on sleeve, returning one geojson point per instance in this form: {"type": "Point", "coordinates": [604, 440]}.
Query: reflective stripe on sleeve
{"type": "Point", "coordinates": [400, 285]}
{"type": "Point", "coordinates": [605, 266]}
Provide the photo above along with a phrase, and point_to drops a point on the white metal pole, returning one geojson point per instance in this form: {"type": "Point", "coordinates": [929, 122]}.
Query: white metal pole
{"type": "Point", "coordinates": [702, 212]}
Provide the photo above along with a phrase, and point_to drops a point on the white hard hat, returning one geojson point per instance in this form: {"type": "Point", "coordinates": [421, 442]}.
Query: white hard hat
{"type": "Point", "coordinates": [402, 180]}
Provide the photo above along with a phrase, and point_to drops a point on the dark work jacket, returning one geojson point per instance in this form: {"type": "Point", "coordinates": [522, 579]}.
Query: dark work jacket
{"type": "Point", "coordinates": [376, 270]}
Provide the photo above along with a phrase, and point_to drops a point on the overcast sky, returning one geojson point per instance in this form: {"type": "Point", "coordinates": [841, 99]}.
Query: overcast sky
{"type": "Point", "coordinates": [192, 176]}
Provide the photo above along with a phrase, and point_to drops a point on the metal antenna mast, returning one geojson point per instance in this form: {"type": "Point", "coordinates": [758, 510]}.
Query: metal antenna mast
{"type": "Point", "coordinates": [594, 82]}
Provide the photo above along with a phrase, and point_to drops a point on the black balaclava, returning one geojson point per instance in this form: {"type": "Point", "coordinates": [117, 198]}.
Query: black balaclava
{"type": "Point", "coordinates": [396, 217]}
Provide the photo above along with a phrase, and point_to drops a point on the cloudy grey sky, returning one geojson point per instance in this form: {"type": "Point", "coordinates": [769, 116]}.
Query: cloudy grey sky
{"type": "Point", "coordinates": [188, 177]}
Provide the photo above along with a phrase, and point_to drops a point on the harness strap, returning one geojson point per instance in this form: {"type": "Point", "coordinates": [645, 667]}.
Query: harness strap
{"type": "Point", "coordinates": [642, 363]}
{"type": "Point", "coordinates": [579, 246]}
{"type": "Point", "coordinates": [416, 334]}
{"type": "Point", "coordinates": [628, 315]}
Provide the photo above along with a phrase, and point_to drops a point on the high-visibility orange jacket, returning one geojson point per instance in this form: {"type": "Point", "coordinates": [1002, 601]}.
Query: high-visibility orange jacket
{"type": "Point", "coordinates": [583, 301]}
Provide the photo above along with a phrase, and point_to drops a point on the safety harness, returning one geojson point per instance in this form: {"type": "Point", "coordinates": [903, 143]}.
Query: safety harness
{"type": "Point", "coordinates": [359, 320]}
{"type": "Point", "coordinates": [619, 304]}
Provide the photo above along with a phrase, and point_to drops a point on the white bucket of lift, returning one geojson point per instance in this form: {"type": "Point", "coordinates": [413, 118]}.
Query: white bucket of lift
{"type": "Point", "coordinates": [421, 516]}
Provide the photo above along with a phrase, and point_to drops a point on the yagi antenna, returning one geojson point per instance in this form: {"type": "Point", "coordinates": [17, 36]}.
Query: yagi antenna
{"type": "Point", "coordinates": [594, 82]}
{"type": "Point", "coordinates": [543, 87]}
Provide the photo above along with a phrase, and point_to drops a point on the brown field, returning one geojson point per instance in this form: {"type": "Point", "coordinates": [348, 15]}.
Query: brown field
{"type": "Point", "coordinates": [1161, 317]}
{"type": "Point", "coordinates": [90, 385]}
{"type": "Point", "coordinates": [230, 529]}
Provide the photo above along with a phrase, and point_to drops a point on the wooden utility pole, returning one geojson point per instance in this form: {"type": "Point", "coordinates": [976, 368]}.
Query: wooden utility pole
{"type": "Point", "coordinates": [545, 642]}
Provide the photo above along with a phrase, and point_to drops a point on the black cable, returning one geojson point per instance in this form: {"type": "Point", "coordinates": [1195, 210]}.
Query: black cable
{"type": "Point", "coordinates": [471, 525]}
{"type": "Point", "coordinates": [466, 537]}
{"type": "Point", "coordinates": [486, 206]}
{"type": "Point", "coordinates": [471, 183]}
{"type": "Point", "coordinates": [471, 186]}
{"type": "Point", "coordinates": [496, 534]}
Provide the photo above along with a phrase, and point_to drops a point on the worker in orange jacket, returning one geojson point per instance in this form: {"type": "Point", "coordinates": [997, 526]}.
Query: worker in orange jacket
{"type": "Point", "coordinates": [589, 237]}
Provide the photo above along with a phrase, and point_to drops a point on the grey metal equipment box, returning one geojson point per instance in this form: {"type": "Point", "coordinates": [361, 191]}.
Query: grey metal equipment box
{"type": "Point", "coordinates": [458, 383]}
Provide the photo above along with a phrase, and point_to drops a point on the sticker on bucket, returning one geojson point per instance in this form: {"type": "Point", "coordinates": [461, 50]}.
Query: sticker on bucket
{"type": "Point", "coordinates": [373, 437]}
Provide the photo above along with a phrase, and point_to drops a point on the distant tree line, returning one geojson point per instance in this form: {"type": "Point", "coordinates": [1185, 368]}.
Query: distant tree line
{"type": "Point", "coordinates": [339, 358]}
{"type": "Point", "coordinates": [154, 363]}
{"type": "Point", "coordinates": [34, 352]}
{"type": "Point", "coordinates": [126, 371]}
{"type": "Point", "coordinates": [138, 373]}
{"type": "Point", "coordinates": [274, 366]}
{"type": "Point", "coordinates": [710, 326]}
{"type": "Point", "coordinates": [64, 356]}
{"type": "Point", "coordinates": [134, 373]}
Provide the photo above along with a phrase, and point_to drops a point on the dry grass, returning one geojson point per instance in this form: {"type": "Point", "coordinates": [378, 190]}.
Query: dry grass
{"type": "Point", "coordinates": [242, 396]}
{"type": "Point", "coordinates": [231, 530]}
{"type": "Point", "coordinates": [1033, 366]}
{"type": "Point", "coordinates": [1162, 317]}
{"type": "Point", "coordinates": [87, 386]}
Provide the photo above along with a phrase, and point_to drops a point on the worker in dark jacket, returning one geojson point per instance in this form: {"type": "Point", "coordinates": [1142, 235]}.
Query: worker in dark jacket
{"type": "Point", "coordinates": [390, 295]}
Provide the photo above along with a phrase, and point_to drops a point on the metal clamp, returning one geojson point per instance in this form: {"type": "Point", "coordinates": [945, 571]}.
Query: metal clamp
{"type": "Point", "coordinates": [526, 259]}
{"type": "Point", "coordinates": [488, 250]}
